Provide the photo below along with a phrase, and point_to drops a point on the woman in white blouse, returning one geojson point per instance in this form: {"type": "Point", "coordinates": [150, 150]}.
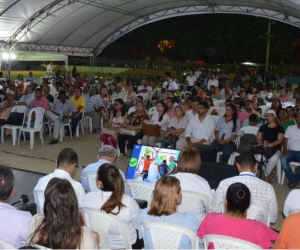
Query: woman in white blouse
{"type": "Point", "coordinates": [161, 119]}
{"type": "Point", "coordinates": [131, 95]}
{"type": "Point", "coordinates": [111, 199]}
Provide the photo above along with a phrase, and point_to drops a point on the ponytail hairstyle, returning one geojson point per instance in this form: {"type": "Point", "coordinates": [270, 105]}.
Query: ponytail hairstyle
{"type": "Point", "coordinates": [112, 181]}
{"type": "Point", "coordinates": [165, 110]}
{"type": "Point", "coordinates": [234, 115]}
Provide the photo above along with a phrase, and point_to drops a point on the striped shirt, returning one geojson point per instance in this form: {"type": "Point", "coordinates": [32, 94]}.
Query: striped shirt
{"type": "Point", "coordinates": [67, 107]}
{"type": "Point", "coordinates": [92, 102]}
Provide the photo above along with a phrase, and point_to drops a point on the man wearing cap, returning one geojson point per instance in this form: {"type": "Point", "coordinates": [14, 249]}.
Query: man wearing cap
{"type": "Point", "coordinates": [93, 106]}
{"type": "Point", "coordinates": [291, 152]}
{"type": "Point", "coordinates": [27, 98]}
{"type": "Point", "coordinates": [6, 106]}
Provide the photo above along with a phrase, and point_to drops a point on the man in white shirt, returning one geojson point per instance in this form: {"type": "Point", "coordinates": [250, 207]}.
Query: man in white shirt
{"type": "Point", "coordinates": [119, 94]}
{"type": "Point", "coordinates": [65, 167]}
{"type": "Point", "coordinates": [27, 98]}
{"type": "Point", "coordinates": [106, 154]}
{"type": "Point", "coordinates": [169, 84]}
{"type": "Point", "coordinates": [291, 152]}
{"type": "Point", "coordinates": [199, 130]}
{"type": "Point", "coordinates": [212, 82]}
{"type": "Point", "coordinates": [194, 111]}
{"type": "Point", "coordinates": [145, 89]}
{"type": "Point", "coordinates": [14, 224]}
{"type": "Point", "coordinates": [262, 193]}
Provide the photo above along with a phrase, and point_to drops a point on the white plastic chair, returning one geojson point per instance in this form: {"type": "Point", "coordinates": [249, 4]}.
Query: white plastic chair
{"type": "Point", "coordinates": [226, 242]}
{"type": "Point", "coordinates": [248, 130]}
{"type": "Point", "coordinates": [39, 200]}
{"type": "Point", "coordinates": [89, 121]}
{"type": "Point", "coordinates": [190, 202]}
{"type": "Point", "coordinates": [6, 245]}
{"type": "Point", "coordinates": [141, 190]}
{"type": "Point", "coordinates": [264, 109]}
{"type": "Point", "coordinates": [99, 221]}
{"type": "Point", "coordinates": [293, 165]}
{"type": "Point", "coordinates": [152, 111]}
{"type": "Point", "coordinates": [218, 103]}
{"type": "Point", "coordinates": [167, 235]}
{"type": "Point", "coordinates": [255, 209]}
{"type": "Point", "coordinates": [37, 127]}
{"type": "Point", "coordinates": [91, 177]}
{"type": "Point", "coordinates": [14, 129]}
{"type": "Point", "coordinates": [221, 111]}
{"type": "Point", "coordinates": [145, 97]}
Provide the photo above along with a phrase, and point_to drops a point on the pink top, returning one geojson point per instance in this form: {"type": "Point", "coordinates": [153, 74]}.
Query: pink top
{"type": "Point", "coordinates": [284, 98]}
{"type": "Point", "coordinates": [244, 229]}
{"type": "Point", "coordinates": [242, 116]}
{"type": "Point", "coordinates": [41, 103]}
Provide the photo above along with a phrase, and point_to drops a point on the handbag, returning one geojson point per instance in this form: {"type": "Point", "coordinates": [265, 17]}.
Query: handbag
{"type": "Point", "coordinates": [109, 131]}
{"type": "Point", "coordinates": [151, 130]}
{"type": "Point", "coordinates": [125, 131]}
{"type": "Point", "coordinates": [15, 119]}
{"type": "Point", "coordinates": [170, 138]}
{"type": "Point", "coordinates": [267, 152]}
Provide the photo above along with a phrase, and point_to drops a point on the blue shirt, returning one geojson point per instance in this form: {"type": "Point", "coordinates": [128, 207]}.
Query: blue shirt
{"type": "Point", "coordinates": [183, 219]}
{"type": "Point", "coordinates": [225, 129]}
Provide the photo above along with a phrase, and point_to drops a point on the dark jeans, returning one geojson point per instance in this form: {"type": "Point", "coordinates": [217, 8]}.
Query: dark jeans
{"type": "Point", "coordinates": [285, 164]}
{"type": "Point", "coordinates": [131, 140]}
{"type": "Point", "coordinates": [75, 121]}
{"type": "Point", "coordinates": [227, 150]}
{"type": "Point", "coordinates": [166, 145]}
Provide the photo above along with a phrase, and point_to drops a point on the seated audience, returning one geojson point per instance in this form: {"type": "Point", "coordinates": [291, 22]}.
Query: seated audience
{"type": "Point", "coordinates": [111, 199]}
{"type": "Point", "coordinates": [130, 96]}
{"type": "Point", "coordinates": [276, 105]}
{"type": "Point", "coordinates": [14, 223]}
{"type": "Point", "coordinates": [6, 107]}
{"type": "Point", "coordinates": [159, 118]}
{"type": "Point", "coordinates": [115, 122]}
{"type": "Point", "coordinates": [284, 120]}
{"type": "Point", "coordinates": [188, 167]}
{"type": "Point", "coordinates": [233, 222]}
{"type": "Point", "coordinates": [166, 197]}
{"type": "Point", "coordinates": [27, 98]}
{"type": "Point", "coordinates": [242, 116]}
{"type": "Point", "coordinates": [119, 94]}
{"type": "Point", "coordinates": [137, 100]}
{"type": "Point", "coordinates": [283, 97]}
{"type": "Point", "coordinates": [176, 129]}
{"type": "Point", "coordinates": [226, 132]}
{"type": "Point", "coordinates": [252, 121]}
{"type": "Point", "coordinates": [111, 88]}
{"type": "Point", "coordinates": [59, 226]}
{"type": "Point", "coordinates": [46, 91]}
{"type": "Point", "coordinates": [194, 111]}
{"type": "Point", "coordinates": [291, 113]}
{"type": "Point", "coordinates": [262, 193]}
{"type": "Point", "coordinates": [65, 167]}
{"type": "Point", "coordinates": [249, 108]}
{"type": "Point", "coordinates": [211, 108]}
{"type": "Point", "coordinates": [170, 103]}
{"type": "Point", "coordinates": [217, 95]}
{"type": "Point", "coordinates": [190, 80]}
{"type": "Point", "coordinates": [132, 123]}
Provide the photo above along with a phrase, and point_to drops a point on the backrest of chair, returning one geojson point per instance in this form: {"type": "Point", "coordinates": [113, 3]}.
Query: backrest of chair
{"type": "Point", "coordinates": [39, 115]}
{"type": "Point", "coordinates": [221, 111]}
{"type": "Point", "coordinates": [248, 130]}
{"type": "Point", "coordinates": [145, 97]}
{"type": "Point", "coordinates": [40, 200]}
{"type": "Point", "coordinates": [99, 221]}
{"type": "Point", "coordinates": [167, 235]}
{"type": "Point", "coordinates": [6, 245]}
{"type": "Point", "coordinates": [190, 202]}
{"type": "Point", "coordinates": [226, 242]}
{"type": "Point", "coordinates": [152, 111]}
{"type": "Point", "coordinates": [218, 103]}
{"type": "Point", "coordinates": [254, 210]}
{"type": "Point", "coordinates": [19, 109]}
{"type": "Point", "coordinates": [264, 108]}
{"type": "Point", "coordinates": [141, 190]}
{"type": "Point", "coordinates": [91, 177]}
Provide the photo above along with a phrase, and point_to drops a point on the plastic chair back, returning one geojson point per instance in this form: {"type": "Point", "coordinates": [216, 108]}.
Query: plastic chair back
{"type": "Point", "coordinates": [141, 190]}
{"type": "Point", "coordinates": [226, 242]}
{"type": "Point", "coordinates": [91, 177]}
{"type": "Point", "coordinates": [167, 235]}
{"type": "Point", "coordinates": [39, 200]}
{"type": "Point", "coordinates": [145, 97]}
{"type": "Point", "coordinates": [6, 245]}
{"type": "Point", "coordinates": [39, 115]}
{"type": "Point", "coordinates": [190, 202]}
{"type": "Point", "coordinates": [221, 111]}
{"type": "Point", "coordinates": [256, 211]}
{"type": "Point", "coordinates": [152, 110]}
{"type": "Point", "coordinates": [264, 109]}
{"type": "Point", "coordinates": [99, 221]}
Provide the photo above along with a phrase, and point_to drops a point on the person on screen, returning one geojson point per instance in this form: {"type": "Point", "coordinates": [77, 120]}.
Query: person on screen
{"type": "Point", "coordinates": [147, 163]}
{"type": "Point", "coordinates": [162, 168]}
{"type": "Point", "coordinates": [171, 169]}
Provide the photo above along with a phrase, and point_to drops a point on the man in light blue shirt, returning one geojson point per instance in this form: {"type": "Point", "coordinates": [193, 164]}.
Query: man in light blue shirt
{"type": "Point", "coordinates": [106, 154]}
{"type": "Point", "coordinates": [252, 121]}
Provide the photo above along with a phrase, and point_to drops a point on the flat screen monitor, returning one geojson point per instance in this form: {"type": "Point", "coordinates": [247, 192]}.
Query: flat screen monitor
{"type": "Point", "coordinates": [148, 163]}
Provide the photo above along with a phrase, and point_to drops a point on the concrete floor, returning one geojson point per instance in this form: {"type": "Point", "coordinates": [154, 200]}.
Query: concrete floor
{"type": "Point", "coordinates": [42, 159]}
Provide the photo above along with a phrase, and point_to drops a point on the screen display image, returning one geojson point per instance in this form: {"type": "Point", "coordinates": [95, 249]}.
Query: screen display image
{"type": "Point", "coordinates": [148, 163]}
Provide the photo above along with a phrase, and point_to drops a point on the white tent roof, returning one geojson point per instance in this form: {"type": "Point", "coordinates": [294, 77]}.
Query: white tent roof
{"type": "Point", "coordinates": [86, 27]}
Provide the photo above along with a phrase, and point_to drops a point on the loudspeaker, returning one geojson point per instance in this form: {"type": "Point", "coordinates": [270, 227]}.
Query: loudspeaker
{"type": "Point", "coordinates": [214, 173]}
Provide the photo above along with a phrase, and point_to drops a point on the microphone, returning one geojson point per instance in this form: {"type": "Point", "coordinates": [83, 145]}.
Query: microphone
{"type": "Point", "coordinates": [24, 199]}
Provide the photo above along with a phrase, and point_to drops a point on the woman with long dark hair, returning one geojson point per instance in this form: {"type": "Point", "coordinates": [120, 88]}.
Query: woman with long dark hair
{"type": "Point", "coordinates": [115, 122]}
{"type": "Point", "coordinates": [226, 132]}
{"type": "Point", "coordinates": [284, 120]}
{"type": "Point", "coordinates": [166, 197]}
{"type": "Point", "coordinates": [161, 119]}
{"type": "Point", "coordinates": [59, 226]}
{"type": "Point", "coordinates": [233, 222]}
{"type": "Point", "coordinates": [111, 199]}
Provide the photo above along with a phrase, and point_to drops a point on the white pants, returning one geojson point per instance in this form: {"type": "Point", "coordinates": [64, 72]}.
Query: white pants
{"type": "Point", "coordinates": [181, 144]}
{"type": "Point", "coordinates": [151, 140]}
{"type": "Point", "coordinates": [57, 123]}
{"type": "Point", "coordinates": [271, 162]}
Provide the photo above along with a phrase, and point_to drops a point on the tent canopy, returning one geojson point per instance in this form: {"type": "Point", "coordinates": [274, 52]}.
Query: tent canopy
{"type": "Point", "coordinates": [86, 27]}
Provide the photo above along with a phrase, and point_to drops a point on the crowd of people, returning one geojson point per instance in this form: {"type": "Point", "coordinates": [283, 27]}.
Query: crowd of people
{"type": "Point", "coordinates": [59, 224]}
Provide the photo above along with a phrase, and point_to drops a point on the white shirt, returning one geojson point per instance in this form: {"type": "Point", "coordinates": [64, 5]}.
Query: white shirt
{"type": "Point", "coordinates": [292, 202]}
{"type": "Point", "coordinates": [189, 114]}
{"type": "Point", "coordinates": [195, 183]}
{"type": "Point", "coordinates": [61, 174]}
{"type": "Point", "coordinates": [212, 82]}
{"type": "Point", "coordinates": [262, 193]}
{"type": "Point", "coordinates": [293, 134]}
{"type": "Point", "coordinates": [93, 167]}
{"type": "Point", "coordinates": [129, 214]}
{"type": "Point", "coordinates": [163, 124]}
{"type": "Point", "coordinates": [122, 95]}
{"type": "Point", "coordinates": [201, 130]}
{"type": "Point", "coordinates": [171, 83]}
{"type": "Point", "coordinates": [197, 73]}
{"type": "Point", "coordinates": [53, 90]}
{"type": "Point", "coordinates": [191, 80]}
{"type": "Point", "coordinates": [132, 109]}
{"type": "Point", "coordinates": [149, 88]}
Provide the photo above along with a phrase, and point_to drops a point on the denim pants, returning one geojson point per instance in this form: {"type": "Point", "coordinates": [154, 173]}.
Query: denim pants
{"type": "Point", "coordinates": [166, 145]}
{"type": "Point", "coordinates": [227, 150]}
{"type": "Point", "coordinates": [285, 164]}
